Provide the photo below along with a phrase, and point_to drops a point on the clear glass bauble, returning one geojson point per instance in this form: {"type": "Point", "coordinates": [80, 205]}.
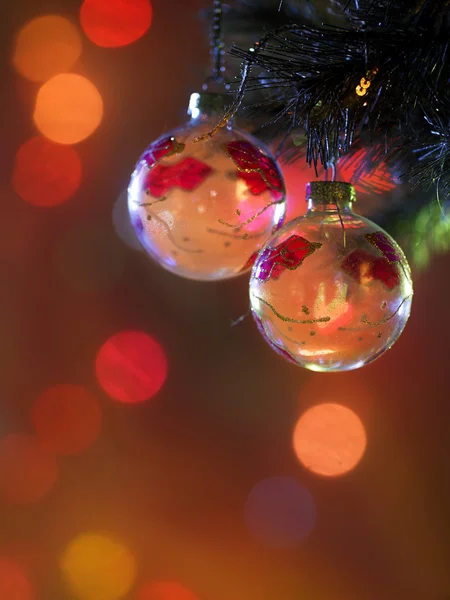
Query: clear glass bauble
{"type": "Point", "coordinates": [203, 209]}
{"type": "Point", "coordinates": [331, 291]}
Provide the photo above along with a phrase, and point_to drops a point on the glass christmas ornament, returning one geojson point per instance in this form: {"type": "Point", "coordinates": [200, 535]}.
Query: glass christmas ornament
{"type": "Point", "coordinates": [331, 291]}
{"type": "Point", "coordinates": [203, 209]}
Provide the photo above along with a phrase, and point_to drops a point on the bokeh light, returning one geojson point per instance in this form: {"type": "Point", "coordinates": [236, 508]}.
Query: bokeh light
{"type": "Point", "coordinates": [329, 439]}
{"type": "Point", "coordinates": [280, 512]}
{"type": "Point", "coordinates": [122, 224]}
{"type": "Point", "coordinates": [45, 47]}
{"type": "Point", "coordinates": [67, 418]}
{"type": "Point", "coordinates": [367, 176]}
{"type": "Point", "coordinates": [97, 567]}
{"type": "Point", "coordinates": [68, 109]}
{"type": "Point", "coordinates": [89, 258]}
{"type": "Point", "coordinates": [115, 23]}
{"type": "Point", "coordinates": [45, 173]}
{"type": "Point", "coordinates": [27, 471]}
{"type": "Point", "coordinates": [164, 590]}
{"type": "Point", "coordinates": [33, 558]}
{"type": "Point", "coordinates": [14, 584]}
{"type": "Point", "coordinates": [131, 366]}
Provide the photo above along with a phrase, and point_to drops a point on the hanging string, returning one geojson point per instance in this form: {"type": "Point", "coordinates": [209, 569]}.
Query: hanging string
{"type": "Point", "coordinates": [333, 168]}
{"type": "Point", "coordinates": [217, 46]}
{"type": "Point", "coordinates": [246, 71]}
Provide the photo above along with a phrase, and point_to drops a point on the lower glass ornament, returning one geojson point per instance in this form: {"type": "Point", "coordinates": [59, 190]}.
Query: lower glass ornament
{"type": "Point", "coordinates": [331, 291]}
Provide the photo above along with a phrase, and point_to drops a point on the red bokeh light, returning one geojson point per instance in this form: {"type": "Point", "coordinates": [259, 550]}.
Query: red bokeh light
{"type": "Point", "coordinates": [27, 471]}
{"type": "Point", "coordinates": [35, 560]}
{"type": "Point", "coordinates": [14, 584]}
{"type": "Point", "coordinates": [367, 178]}
{"type": "Point", "coordinates": [115, 23]}
{"type": "Point", "coordinates": [370, 179]}
{"type": "Point", "coordinates": [67, 419]}
{"type": "Point", "coordinates": [131, 366]}
{"type": "Point", "coordinates": [45, 173]}
{"type": "Point", "coordinates": [164, 590]}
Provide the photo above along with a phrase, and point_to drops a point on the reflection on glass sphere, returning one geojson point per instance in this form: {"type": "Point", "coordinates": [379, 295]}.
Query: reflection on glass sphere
{"type": "Point", "coordinates": [204, 209]}
{"type": "Point", "coordinates": [331, 291]}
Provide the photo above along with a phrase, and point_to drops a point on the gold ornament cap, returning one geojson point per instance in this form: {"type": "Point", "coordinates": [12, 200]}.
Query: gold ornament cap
{"type": "Point", "coordinates": [208, 104]}
{"type": "Point", "coordinates": [330, 195]}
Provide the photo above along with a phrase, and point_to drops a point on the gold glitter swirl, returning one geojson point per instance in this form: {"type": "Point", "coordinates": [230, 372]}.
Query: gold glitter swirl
{"type": "Point", "coordinates": [246, 236]}
{"type": "Point", "coordinates": [305, 309]}
{"type": "Point", "coordinates": [149, 204]}
{"type": "Point", "coordinates": [383, 321]}
{"type": "Point", "coordinates": [175, 147]}
{"type": "Point", "coordinates": [258, 214]}
{"type": "Point", "coordinates": [376, 323]}
{"type": "Point", "coordinates": [282, 334]}
{"type": "Point", "coordinates": [166, 228]}
{"type": "Point", "coordinates": [254, 170]}
{"type": "Point", "coordinates": [276, 345]}
{"type": "Point", "coordinates": [373, 239]}
{"type": "Point", "coordinates": [289, 319]}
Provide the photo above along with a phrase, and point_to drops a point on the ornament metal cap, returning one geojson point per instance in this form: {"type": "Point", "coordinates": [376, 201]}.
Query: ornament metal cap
{"type": "Point", "coordinates": [208, 103]}
{"type": "Point", "coordinates": [330, 195]}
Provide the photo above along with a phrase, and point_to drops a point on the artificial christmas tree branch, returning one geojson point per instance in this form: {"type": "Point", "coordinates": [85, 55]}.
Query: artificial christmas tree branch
{"type": "Point", "coordinates": [387, 71]}
{"type": "Point", "coordinates": [344, 73]}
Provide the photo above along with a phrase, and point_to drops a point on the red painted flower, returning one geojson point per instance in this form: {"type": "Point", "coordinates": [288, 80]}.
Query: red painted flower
{"type": "Point", "coordinates": [365, 268]}
{"type": "Point", "coordinates": [385, 245]}
{"type": "Point", "coordinates": [167, 146]}
{"type": "Point", "coordinates": [259, 172]}
{"type": "Point", "coordinates": [251, 261]}
{"type": "Point", "coordinates": [290, 254]}
{"type": "Point", "coordinates": [188, 174]}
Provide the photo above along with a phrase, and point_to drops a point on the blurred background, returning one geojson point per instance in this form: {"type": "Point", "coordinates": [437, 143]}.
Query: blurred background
{"type": "Point", "coordinates": [149, 450]}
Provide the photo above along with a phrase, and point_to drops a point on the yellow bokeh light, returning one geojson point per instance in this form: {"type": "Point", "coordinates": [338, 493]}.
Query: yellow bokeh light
{"type": "Point", "coordinates": [329, 439]}
{"type": "Point", "coordinates": [45, 47]}
{"type": "Point", "coordinates": [97, 567]}
{"type": "Point", "coordinates": [68, 109]}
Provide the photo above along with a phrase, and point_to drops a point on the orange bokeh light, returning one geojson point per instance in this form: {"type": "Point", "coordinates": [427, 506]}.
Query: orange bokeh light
{"type": "Point", "coordinates": [67, 419]}
{"type": "Point", "coordinates": [45, 47]}
{"type": "Point", "coordinates": [131, 366]}
{"type": "Point", "coordinates": [45, 173]}
{"type": "Point", "coordinates": [27, 471]}
{"type": "Point", "coordinates": [164, 590]}
{"type": "Point", "coordinates": [115, 23]}
{"type": "Point", "coordinates": [97, 567]}
{"type": "Point", "coordinates": [68, 109]}
{"type": "Point", "coordinates": [329, 439]}
{"type": "Point", "coordinates": [14, 584]}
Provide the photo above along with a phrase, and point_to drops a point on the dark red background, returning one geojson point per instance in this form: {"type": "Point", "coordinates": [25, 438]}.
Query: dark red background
{"type": "Point", "coordinates": [171, 477]}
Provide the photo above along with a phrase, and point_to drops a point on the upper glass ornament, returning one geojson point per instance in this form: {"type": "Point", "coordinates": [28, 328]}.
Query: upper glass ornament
{"type": "Point", "coordinates": [331, 291]}
{"type": "Point", "coordinates": [203, 209]}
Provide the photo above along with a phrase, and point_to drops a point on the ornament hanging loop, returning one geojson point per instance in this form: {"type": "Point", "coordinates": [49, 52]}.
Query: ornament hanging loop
{"type": "Point", "coordinates": [216, 78]}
